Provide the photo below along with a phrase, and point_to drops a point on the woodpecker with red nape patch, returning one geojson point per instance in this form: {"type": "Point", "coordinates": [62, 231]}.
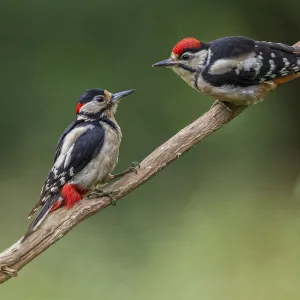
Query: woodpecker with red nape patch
{"type": "Point", "coordinates": [86, 153]}
{"type": "Point", "coordinates": [234, 69]}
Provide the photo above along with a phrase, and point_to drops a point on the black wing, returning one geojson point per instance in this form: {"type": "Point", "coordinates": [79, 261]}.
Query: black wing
{"type": "Point", "coordinates": [231, 47]}
{"type": "Point", "coordinates": [87, 146]}
{"type": "Point", "coordinates": [265, 61]}
{"type": "Point", "coordinates": [57, 153]}
{"type": "Point", "coordinates": [276, 46]}
{"type": "Point", "coordinates": [83, 150]}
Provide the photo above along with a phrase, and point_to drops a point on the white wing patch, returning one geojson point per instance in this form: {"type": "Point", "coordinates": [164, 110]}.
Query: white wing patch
{"type": "Point", "coordinates": [69, 140]}
{"type": "Point", "coordinates": [68, 157]}
{"type": "Point", "coordinates": [246, 62]}
{"type": "Point", "coordinates": [222, 66]}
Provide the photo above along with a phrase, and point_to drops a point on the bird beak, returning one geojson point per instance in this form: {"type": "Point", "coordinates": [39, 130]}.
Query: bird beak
{"type": "Point", "coordinates": [169, 62]}
{"type": "Point", "coordinates": [117, 96]}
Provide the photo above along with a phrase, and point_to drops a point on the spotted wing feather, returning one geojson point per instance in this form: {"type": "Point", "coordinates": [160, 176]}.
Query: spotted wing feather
{"type": "Point", "coordinates": [57, 152]}
{"type": "Point", "coordinates": [84, 149]}
{"type": "Point", "coordinates": [244, 62]}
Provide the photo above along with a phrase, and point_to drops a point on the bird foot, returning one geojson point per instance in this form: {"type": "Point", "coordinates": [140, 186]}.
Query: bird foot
{"type": "Point", "coordinates": [96, 193]}
{"type": "Point", "coordinates": [8, 271]}
{"type": "Point", "coordinates": [133, 168]}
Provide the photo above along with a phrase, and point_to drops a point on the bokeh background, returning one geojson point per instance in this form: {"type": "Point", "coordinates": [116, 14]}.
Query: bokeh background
{"type": "Point", "coordinates": [222, 222]}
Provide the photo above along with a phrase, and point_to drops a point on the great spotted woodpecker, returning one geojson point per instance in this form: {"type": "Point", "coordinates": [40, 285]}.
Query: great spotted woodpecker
{"type": "Point", "coordinates": [234, 69]}
{"type": "Point", "coordinates": [86, 153]}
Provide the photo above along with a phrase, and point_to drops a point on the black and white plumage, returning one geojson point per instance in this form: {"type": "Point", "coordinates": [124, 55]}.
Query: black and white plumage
{"type": "Point", "coordinates": [234, 69]}
{"type": "Point", "coordinates": [86, 153]}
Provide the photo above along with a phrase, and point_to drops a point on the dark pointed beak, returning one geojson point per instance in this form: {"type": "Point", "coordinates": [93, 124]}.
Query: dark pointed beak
{"type": "Point", "coordinates": [169, 62]}
{"type": "Point", "coordinates": [117, 96]}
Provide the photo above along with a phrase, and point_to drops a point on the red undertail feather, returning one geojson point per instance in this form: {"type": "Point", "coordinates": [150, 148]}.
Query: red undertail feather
{"type": "Point", "coordinates": [71, 195]}
{"type": "Point", "coordinates": [59, 203]}
{"type": "Point", "coordinates": [187, 43]}
{"type": "Point", "coordinates": [68, 196]}
{"type": "Point", "coordinates": [286, 78]}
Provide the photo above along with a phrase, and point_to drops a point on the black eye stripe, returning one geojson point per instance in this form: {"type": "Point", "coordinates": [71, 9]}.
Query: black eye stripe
{"type": "Point", "coordinates": [99, 98]}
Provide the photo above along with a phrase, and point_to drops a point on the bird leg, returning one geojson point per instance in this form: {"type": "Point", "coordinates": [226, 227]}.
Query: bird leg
{"type": "Point", "coordinates": [133, 168]}
{"type": "Point", "coordinates": [104, 193]}
{"type": "Point", "coordinates": [99, 192]}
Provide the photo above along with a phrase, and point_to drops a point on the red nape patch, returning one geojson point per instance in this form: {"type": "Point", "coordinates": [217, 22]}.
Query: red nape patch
{"type": "Point", "coordinates": [78, 106]}
{"type": "Point", "coordinates": [187, 43]}
{"type": "Point", "coordinates": [71, 195]}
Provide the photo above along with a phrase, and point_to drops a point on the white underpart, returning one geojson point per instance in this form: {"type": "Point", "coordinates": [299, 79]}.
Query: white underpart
{"type": "Point", "coordinates": [187, 76]}
{"type": "Point", "coordinates": [97, 170]}
{"type": "Point", "coordinates": [236, 94]}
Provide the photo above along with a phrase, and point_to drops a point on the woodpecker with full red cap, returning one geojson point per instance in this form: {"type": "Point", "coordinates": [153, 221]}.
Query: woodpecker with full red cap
{"type": "Point", "coordinates": [86, 153]}
{"type": "Point", "coordinates": [234, 69]}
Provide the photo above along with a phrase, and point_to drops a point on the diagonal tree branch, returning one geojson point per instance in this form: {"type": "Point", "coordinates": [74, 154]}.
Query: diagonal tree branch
{"type": "Point", "coordinates": [62, 221]}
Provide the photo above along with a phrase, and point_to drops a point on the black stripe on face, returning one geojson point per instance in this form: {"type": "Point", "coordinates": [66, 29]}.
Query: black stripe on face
{"type": "Point", "coordinates": [187, 68]}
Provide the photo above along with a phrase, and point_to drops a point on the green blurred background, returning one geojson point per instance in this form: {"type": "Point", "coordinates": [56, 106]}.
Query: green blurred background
{"type": "Point", "coordinates": [222, 222]}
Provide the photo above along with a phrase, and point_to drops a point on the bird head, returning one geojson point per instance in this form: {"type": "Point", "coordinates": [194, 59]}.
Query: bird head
{"type": "Point", "coordinates": [94, 103]}
{"type": "Point", "coordinates": [187, 58]}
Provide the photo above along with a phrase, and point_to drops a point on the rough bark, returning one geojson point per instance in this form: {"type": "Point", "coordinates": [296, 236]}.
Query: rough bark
{"type": "Point", "coordinates": [62, 221]}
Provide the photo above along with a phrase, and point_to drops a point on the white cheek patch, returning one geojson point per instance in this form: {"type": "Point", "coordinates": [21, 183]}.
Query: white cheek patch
{"type": "Point", "coordinates": [92, 107]}
{"type": "Point", "coordinates": [198, 60]}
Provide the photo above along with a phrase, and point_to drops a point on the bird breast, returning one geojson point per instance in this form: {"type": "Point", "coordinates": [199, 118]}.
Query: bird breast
{"type": "Point", "coordinates": [97, 170]}
{"type": "Point", "coordinates": [236, 94]}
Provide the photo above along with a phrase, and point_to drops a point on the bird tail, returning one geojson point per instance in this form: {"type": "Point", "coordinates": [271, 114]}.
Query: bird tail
{"type": "Point", "coordinates": [290, 77]}
{"type": "Point", "coordinates": [297, 48]}
{"type": "Point", "coordinates": [42, 214]}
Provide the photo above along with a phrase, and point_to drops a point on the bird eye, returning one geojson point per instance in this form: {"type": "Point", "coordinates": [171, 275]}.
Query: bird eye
{"type": "Point", "coordinates": [185, 56]}
{"type": "Point", "coordinates": [99, 98]}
